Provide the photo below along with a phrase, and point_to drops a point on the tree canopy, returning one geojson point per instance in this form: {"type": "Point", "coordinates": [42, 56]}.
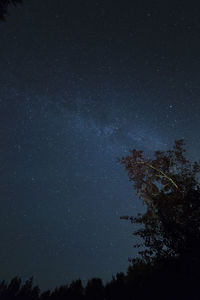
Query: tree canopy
{"type": "Point", "coordinates": [4, 7]}
{"type": "Point", "coordinates": [168, 184]}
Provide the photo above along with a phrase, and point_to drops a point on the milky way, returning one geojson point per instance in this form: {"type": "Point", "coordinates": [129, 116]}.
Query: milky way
{"type": "Point", "coordinates": [82, 84]}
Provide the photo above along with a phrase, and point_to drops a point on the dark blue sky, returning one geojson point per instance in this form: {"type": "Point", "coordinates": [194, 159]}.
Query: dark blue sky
{"type": "Point", "coordinates": [81, 83]}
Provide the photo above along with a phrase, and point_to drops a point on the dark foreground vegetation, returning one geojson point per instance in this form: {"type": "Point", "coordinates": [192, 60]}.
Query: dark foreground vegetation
{"type": "Point", "coordinates": [170, 279]}
{"type": "Point", "coordinates": [169, 262]}
{"type": "Point", "coordinates": [4, 4]}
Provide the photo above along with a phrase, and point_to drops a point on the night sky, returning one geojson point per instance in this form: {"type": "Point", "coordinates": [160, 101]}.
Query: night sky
{"type": "Point", "coordinates": [82, 83]}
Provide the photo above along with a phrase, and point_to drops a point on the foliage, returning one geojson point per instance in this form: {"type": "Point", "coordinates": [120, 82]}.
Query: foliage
{"type": "Point", "coordinates": [94, 289]}
{"type": "Point", "coordinates": [142, 281]}
{"type": "Point", "coordinates": [4, 7]}
{"type": "Point", "coordinates": [169, 187]}
{"type": "Point", "coordinates": [169, 267]}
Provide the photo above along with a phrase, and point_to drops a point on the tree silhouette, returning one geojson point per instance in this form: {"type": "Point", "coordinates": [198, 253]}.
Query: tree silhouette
{"type": "Point", "coordinates": [45, 295]}
{"type": "Point", "coordinates": [76, 290]}
{"type": "Point", "coordinates": [14, 287]}
{"type": "Point", "coordinates": [170, 190]}
{"type": "Point", "coordinates": [27, 291]}
{"type": "Point", "coordinates": [4, 7]}
{"type": "Point", "coordinates": [94, 289]}
{"type": "Point", "coordinates": [170, 263]}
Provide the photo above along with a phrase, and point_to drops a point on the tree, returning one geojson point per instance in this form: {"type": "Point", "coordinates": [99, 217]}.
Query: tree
{"type": "Point", "coordinates": [170, 190]}
{"type": "Point", "coordinates": [94, 289]}
{"type": "Point", "coordinates": [4, 7]}
{"type": "Point", "coordinates": [76, 290]}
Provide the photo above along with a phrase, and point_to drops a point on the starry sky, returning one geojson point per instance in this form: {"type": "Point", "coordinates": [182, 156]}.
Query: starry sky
{"type": "Point", "coordinates": [82, 83]}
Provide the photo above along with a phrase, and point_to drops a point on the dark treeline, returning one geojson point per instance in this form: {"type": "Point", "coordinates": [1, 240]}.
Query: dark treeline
{"type": "Point", "coordinates": [166, 279]}
{"type": "Point", "coordinates": [169, 263]}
